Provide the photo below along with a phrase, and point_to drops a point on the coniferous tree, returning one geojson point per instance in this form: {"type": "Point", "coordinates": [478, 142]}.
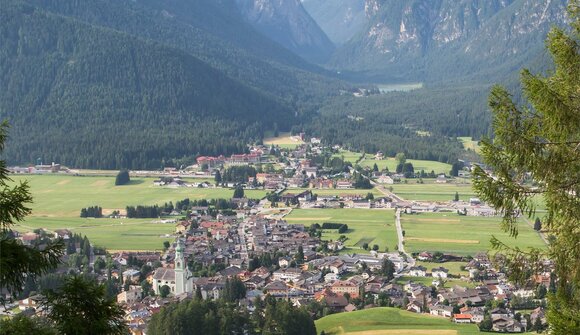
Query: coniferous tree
{"type": "Point", "coordinates": [239, 192]}
{"type": "Point", "coordinates": [17, 261]}
{"type": "Point", "coordinates": [122, 178]}
{"type": "Point", "coordinates": [537, 224]}
{"type": "Point", "coordinates": [542, 141]}
{"type": "Point", "coordinates": [81, 307]}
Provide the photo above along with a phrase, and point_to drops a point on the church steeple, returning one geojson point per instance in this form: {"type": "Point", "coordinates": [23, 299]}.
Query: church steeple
{"type": "Point", "coordinates": [181, 281]}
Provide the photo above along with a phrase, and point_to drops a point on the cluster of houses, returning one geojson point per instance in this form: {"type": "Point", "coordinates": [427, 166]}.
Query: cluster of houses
{"type": "Point", "coordinates": [38, 169]}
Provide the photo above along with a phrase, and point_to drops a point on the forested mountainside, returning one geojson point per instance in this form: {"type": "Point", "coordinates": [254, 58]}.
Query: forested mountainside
{"type": "Point", "coordinates": [423, 123]}
{"type": "Point", "coordinates": [288, 23]}
{"type": "Point", "coordinates": [339, 19]}
{"type": "Point", "coordinates": [439, 40]}
{"type": "Point", "coordinates": [90, 96]}
{"type": "Point", "coordinates": [140, 85]}
{"type": "Point", "coordinates": [215, 32]}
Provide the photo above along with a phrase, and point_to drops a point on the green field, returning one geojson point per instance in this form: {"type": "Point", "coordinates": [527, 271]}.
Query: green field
{"type": "Point", "coordinates": [430, 191]}
{"type": "Point", "coordinates": [469, 144]}
{"type": "Point", "coordinates": [58, 200]}
{"type": "Point", "coordinates": [428, 281]}
{"type": "Point", "coordinates": [114, 234]}
{"type": "Point", "coordinates": [364, 225]}
{"type": "Point", "coordinates": [390, 321]}
{"type": "Point", "coordinates": [453, 267]}
{"type": "Point", "coordinates": [334, 191]}
{"type": "Point", "coordinates": [418, 165]}
{"type": "Point", "coordinates": [348, 156]}
{"type": "Point", "coordinates": [284, 141]}
{"type": "Point", "coordinates": [460, 235]}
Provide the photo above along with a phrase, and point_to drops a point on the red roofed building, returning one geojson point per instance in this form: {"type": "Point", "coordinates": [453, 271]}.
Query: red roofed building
{"type": "Point", "coordinates": [462, 318]}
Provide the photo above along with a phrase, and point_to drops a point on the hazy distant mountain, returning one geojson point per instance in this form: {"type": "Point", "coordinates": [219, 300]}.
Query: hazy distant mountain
{"type": "Point", "coordinates": [437, 39]}
{"type": "Point", "coordinates": [288, 23]}
{"type": "Point", "coordinates": [340, 19]}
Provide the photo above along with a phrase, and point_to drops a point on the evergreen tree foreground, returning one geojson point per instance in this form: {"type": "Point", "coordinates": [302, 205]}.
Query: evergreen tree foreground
{"type": "Point", "coordinates": [542, 141]}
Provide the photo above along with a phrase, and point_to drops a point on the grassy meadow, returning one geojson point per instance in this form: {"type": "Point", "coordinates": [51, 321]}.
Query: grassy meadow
{"type": "Point", "coordinates": [469, 144]}
{"type": "Point", "coordinates": [284, 141]}
{"type": "Point", "coordinates": [431, 191]}
{"type": "Point", "coordinates": [348, 156]}
{"type": "Point", "coordinates": [418, 165]}
{"type": "Point", "coordinates": [460, 235]}
{"type": "Point", "coordinates": [337, 192]}
{"type": "Point", "coordinates": [372, 226]}
{"type": "Point", "coordinates": [390, 321]}
{"type": "Point", "coordinates": [58, 199]}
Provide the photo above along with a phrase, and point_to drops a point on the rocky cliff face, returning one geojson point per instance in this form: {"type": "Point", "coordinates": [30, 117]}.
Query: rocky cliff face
{"type": "Point", "coordinates": [339, 19]}
{"type": "Point", "coordinates": [288, 23]}
{"type": "Point", "coordinates": [418, 34]}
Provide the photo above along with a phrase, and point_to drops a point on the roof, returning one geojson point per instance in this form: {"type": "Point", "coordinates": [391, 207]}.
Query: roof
{"type": "Point", "coordinates": [462, 316]}
{"type": "Point", "coordinates": [164, 274]}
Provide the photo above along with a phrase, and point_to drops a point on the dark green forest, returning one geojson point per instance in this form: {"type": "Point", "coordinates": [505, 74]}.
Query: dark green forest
{"type": "Point", "coordinates": [108, 84]}
{"type": "Point", "coordinates": [423, 123]}
{"type": "Point", "coordinates": [223, 317]}
{"type": "Point", "coordinates": [92, 97]}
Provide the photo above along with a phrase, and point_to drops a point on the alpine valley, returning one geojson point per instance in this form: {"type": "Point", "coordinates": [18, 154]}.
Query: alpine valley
{"type": "Point", "coordinates": [150, 82]}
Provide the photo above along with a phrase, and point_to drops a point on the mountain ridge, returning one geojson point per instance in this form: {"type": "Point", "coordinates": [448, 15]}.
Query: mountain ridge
{"type": "Point", "coordinates": [416, 38]}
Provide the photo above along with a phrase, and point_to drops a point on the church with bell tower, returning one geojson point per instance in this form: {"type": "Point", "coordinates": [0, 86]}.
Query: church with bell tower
{"type": "Point", "coordinates": [183, 277]}
{"type": "Point", "coordinates": [179, 279]}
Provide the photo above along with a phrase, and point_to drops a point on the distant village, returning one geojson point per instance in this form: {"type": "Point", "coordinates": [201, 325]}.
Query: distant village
{"type": "Point", "coordinates": [253, 243]}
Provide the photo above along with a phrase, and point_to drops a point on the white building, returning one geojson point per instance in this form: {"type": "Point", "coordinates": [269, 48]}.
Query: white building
{"type": "Point", "coordinates": [179, 280]}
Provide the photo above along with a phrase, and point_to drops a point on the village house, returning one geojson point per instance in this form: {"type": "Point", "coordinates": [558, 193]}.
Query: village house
{"type": "Point", "coordinates": [441, 179]}
{"type": "Point", "coordinates": [288, 274]}
{"type": "Point", "coordinates": [344, 184]}
{"type": "Point", "coordinates": [439, 272]}
{"type": "Point", "coordinates": [131, 296]}
{"type": "Point", "coordinates": [385, 179]}
{"type": "Point", "coordinates": [462, 318]}
{"type": "Point", "coordinates": [276, 289]}
{"type": "Point", "coordinates": [441, 310]}
{"type": "Point", "coordinates": [321, 183]}
{"type": "Point", "coordinates": [341, 287]}
{"type": "Point", "coordinates": [310, 172]}
{"type": "Point", "coordinates": [418, 271]}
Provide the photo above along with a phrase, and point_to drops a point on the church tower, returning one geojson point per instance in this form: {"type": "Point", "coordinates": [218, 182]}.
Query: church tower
{"type": "Point", "coordinates": [181, 279]}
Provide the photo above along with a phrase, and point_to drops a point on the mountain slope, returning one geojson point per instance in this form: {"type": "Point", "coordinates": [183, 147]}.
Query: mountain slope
{"type": "Point", "coordinates": [288, 23]}
{"type": "Point", "coordinates": [339, 19]}
{"type": "Point", "coordinates": [92, 97]}
{"type": "Point", "coordinates": [213, 31]}
{"type": "Point", "coordinates": [435, 40]}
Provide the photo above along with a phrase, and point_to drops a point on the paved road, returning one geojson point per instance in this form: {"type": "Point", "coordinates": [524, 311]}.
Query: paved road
{"type": "Point", "coordinates": [401, 238]}
{"type": "Point", "coordinates": [242, 234]}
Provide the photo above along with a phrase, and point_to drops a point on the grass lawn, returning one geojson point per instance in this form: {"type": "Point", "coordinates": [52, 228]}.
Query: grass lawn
{"type": "Point", "coordinates": [430, 191]}
{"type": "Point", "coordinates": [469, 144]}
{"type": "Point", "coordinates": [284, 141]}
{"type": "Point", "coordinates": [460, 235]}
{"type": "Point", "coordinates": [364, 225]}
{"type": "Point", "coordinates": [114, 234]}
{"type": "Point", "coordinates": [390, 321]}
{"type": "Point", "coordinates": [334, 191]}
{"type": "Point", "coordinates": [428, 281]}
{"type": "Point", "coordinates": [418, 165]}
{"type": "Point", "coordinates": [58, 199]}
{"type": "Point", "coordinates": [453, 267]}
{"type": "Point", "coordinates": [348, 156]}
